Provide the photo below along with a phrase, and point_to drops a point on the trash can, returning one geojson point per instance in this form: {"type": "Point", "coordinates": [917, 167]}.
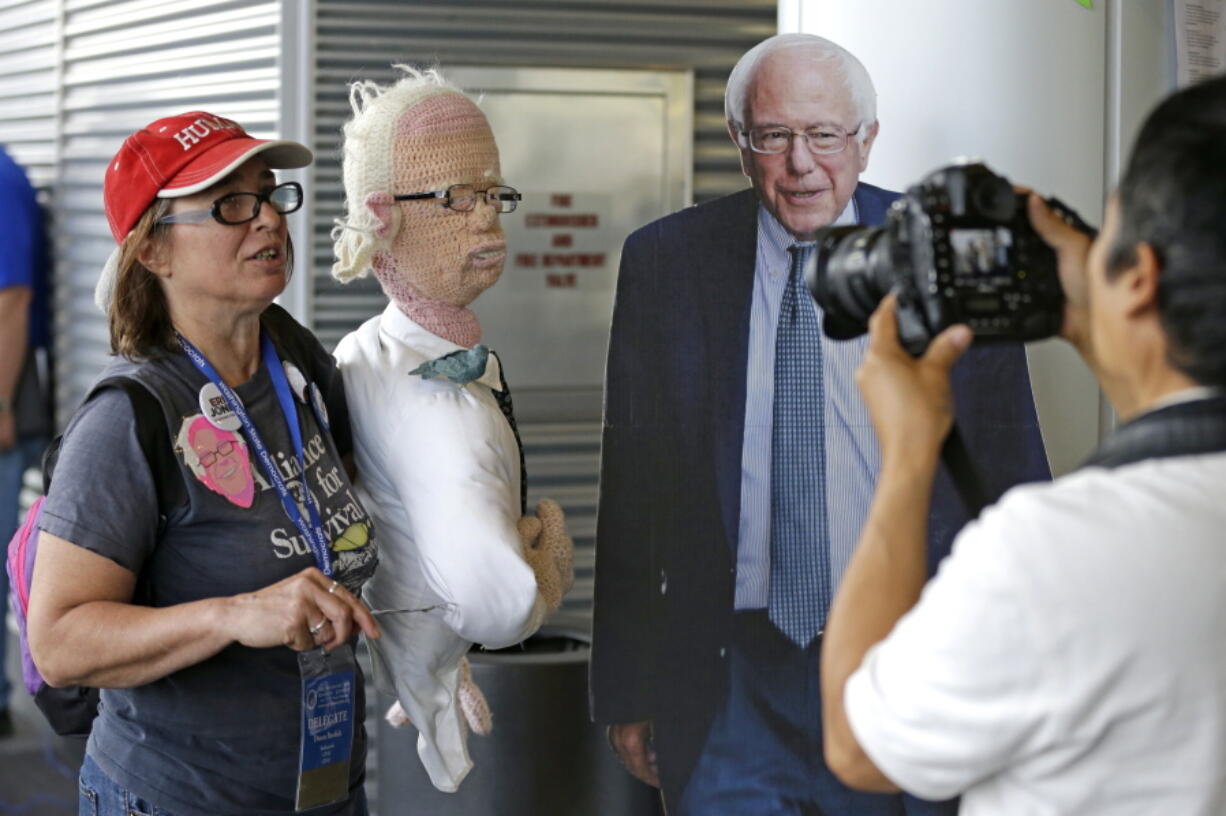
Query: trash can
{"type": "Point", "coordinates": [544, 757]}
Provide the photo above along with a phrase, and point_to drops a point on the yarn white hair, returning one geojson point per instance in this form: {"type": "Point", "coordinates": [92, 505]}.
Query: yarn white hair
{"type": "Point", "coordinates": [367, 163]}
{"type": "Point", "coordinates": [851, 71]}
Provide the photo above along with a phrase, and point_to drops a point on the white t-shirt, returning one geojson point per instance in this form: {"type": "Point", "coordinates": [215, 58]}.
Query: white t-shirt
{"type": "Point", "coordinates": [438, 468]}
{"type": "Point", "coordinates": [1070, 655]}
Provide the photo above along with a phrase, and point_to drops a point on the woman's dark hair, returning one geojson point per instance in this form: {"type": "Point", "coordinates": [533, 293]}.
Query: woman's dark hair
{"type": "Point", "coordinates": [139, 318]}
{"type": "Point", "coordinates": [1173, 197]}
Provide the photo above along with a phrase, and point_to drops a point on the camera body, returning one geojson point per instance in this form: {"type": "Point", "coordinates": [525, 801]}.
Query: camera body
{"type": "Point", "coordinates": [957, 247]}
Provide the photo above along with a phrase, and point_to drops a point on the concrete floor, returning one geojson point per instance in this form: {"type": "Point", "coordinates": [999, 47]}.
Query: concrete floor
{"type": "Point", "coordinates": [38, 770]}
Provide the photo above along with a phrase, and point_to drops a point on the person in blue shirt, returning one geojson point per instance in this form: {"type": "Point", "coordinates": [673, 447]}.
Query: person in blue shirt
{"type": "Point", "coordinates": [24, 417]}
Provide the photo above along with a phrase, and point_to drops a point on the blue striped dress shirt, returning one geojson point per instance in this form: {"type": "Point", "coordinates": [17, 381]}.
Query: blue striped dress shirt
{"type": "Point", "coordinates": [852, 457]}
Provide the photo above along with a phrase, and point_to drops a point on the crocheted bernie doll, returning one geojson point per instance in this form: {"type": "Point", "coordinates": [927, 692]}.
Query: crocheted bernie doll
{"type": "Point", "coordinates": [438, 460]}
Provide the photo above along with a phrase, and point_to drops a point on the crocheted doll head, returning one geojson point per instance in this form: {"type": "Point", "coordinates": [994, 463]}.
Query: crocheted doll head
{"type": "Point", "coordinates": [446, 254]}
{"type": "Point", "coordinates": [420, 135]}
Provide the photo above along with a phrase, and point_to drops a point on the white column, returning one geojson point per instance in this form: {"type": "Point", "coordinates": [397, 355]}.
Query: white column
{"type": "Point", "coordinates": [296, 101]}
{"type": "Point", "coordinates": [1020, 85]}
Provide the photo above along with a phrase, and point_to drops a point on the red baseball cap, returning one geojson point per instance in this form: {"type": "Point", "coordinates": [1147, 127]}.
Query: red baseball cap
{"type": "Point", "coordinates": [179, 156]}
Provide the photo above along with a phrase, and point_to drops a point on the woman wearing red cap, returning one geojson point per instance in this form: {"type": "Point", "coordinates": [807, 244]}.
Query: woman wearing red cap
{"type": "Point", "coordinates": [218, 623]}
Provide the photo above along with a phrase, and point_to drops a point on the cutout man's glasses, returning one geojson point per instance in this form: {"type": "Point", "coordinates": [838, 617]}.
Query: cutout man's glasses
{"type": "Point", "coordinates": [239, 208]}
{"type": "Point", "coordinates": [821, 140]}
{"type": "Point", "coordinates": [463, 197]}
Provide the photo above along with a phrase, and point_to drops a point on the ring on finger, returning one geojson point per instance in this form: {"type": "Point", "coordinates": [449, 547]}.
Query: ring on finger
{"type": "Point", "coordinates": [332, 589]}
{"type": "Point", "coordinates": [314, 630]}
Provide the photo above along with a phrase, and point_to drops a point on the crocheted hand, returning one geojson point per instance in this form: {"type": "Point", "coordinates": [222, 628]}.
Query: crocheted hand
{"type": "Point", "coordinates": [472, 702]}
{"type": "Point", "coordinates": [548, 549]}
{"type": "Point", "coordinates": [396, 716]}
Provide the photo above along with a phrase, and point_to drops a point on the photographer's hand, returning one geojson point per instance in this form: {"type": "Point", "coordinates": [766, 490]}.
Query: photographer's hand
{"type": "Point", "coordinates": [1072, 248]}
{"type": "Point", "coordinates": [909, 400]}
{"type": "Point", "coordinates": [911, 404]}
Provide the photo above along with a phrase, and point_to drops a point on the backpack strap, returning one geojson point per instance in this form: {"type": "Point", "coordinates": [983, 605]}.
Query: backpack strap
{"type": "Point", "coordinates": [297, 345]}
{"type": "Point", "coordinates": [154, 438]}
{"type": "Point", "coordinates": [71, 710]}
{"type": "Point", "coordinates": [290, 341]}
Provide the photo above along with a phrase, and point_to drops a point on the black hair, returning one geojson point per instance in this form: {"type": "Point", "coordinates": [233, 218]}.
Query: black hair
{"type": "Point", "coordinates": [1173, 197]}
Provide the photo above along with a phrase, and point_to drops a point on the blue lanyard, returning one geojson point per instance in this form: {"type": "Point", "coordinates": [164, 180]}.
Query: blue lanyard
{"type": "Point", "coordinates": [313, 530]}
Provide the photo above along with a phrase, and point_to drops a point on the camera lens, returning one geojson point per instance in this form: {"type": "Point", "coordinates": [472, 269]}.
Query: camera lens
{"type": "Point", "coordinates": [852, 273]}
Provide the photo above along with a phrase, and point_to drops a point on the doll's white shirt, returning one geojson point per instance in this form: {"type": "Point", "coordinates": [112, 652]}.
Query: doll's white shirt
{"type": "Point", "coordinates": [438, 470]}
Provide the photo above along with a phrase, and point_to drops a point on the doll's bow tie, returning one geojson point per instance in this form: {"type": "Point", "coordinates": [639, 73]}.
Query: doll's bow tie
{"type": "Point", "coordinates": [460, 366]}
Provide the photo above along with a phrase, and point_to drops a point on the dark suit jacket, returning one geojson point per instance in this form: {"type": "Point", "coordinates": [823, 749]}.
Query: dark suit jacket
{"type": "Point", "coordinates": [670, 484]}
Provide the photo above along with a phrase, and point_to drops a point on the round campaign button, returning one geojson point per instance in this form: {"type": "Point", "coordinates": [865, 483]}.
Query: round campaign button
{"type": "Point", "coordinates": [213, 406]}
{"type": "Point", "coordinates": [321, 410]}
{"type": "Point", "coordinates": [297, 382]}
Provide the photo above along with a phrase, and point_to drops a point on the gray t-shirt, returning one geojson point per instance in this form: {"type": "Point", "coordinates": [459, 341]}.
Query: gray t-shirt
{"type": "Point", "coordinates": [221, 736]}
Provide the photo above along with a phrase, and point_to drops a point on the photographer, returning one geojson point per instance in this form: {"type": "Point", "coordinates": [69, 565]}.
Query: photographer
{"type": "Point", "coordinates": [1067, 657]}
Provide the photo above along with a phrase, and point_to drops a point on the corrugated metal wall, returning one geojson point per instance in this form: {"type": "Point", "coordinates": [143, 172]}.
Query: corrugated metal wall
{"type": "Point", "coordinates": [362, 39]}
{"type": "Point", "coordinates": [29, 47]}
{"type": "Point", "coordinates": [120, 63]}
{"type": "Point", "coordinates": [29, 104]}
{"type": "Point", "coordinates": [125, 63]}
{"type": "Point", "coordinates": [76, 76]}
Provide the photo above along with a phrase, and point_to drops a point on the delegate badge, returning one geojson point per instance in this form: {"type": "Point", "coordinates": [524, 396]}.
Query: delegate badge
{"type": "Point", "coordinates": [327, 726]}
{"type": "Point", "coordinates": [216, 411]}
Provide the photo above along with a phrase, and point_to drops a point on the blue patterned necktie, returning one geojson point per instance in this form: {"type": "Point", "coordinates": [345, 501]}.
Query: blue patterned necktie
{"type": "Point", "coordinates": [799, 540]}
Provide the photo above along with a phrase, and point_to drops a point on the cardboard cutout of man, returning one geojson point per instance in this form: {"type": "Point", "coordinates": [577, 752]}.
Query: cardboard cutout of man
{"type": "Point", "coordinates": [737, 459]}
{"type": "Point", "coordinates": [437, 452]}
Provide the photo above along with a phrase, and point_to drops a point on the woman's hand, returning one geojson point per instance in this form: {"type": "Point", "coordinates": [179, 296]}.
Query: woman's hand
{"type": "Point", "coordinates": [304, 611]}
{"type": "Point", "coordinates": [85, 630]}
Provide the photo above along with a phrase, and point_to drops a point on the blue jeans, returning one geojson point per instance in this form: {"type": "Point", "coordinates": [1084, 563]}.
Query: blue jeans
{"type": "Point", "coordinates": [13, 463]}
{"type": "Point", "coordinates": [100, 796]}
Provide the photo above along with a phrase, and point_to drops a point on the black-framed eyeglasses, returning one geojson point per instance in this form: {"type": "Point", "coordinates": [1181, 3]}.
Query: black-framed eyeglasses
{"type": "Point", "coordinates": [239, 208]}
{"type": "Point", "coordinates": [821, 140]}
{"type": "Point", "coordinates": [208, 458]}
{"type": "Point", "coordinates": [463, 197]}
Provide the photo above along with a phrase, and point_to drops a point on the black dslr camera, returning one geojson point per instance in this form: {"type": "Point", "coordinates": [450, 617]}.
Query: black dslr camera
{"type": "Point", "coordinates": [956, 248]}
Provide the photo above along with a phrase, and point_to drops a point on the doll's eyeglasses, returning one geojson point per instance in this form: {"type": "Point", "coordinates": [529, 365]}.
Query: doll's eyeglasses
{"type": "Point", "coordinates": [463, 197]}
